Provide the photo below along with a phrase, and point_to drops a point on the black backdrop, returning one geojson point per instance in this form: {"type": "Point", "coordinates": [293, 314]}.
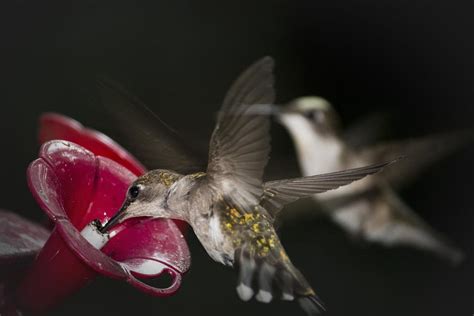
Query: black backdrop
{"type": "Point", "coordinates": [411, 57]}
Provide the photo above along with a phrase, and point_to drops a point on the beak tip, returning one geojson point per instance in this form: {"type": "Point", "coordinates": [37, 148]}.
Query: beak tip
{"type": "Point", "coordinates": [115, 219]}
{"type": "Point", "coordinates": [103, 228]}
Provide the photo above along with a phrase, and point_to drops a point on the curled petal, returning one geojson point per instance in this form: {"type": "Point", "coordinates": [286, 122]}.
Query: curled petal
{"type": "Point", "coordinates": [146, 263]}
{"type": "Point", "coordinates": [56, 126]}
{"type": "Point", "coordinates": [62, 180]}
{"type": "Point", "coordinates": [141, 246]}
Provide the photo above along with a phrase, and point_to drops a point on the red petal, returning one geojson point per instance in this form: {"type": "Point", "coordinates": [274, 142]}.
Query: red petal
{"type": "Point", "coordinates": [56, 126]}
{"type": "Point", "coordinates": [131, 267]}
{"type": "Point", "coordinates": [110, 188]}
{"type": "Point", "coordinates": [144, 240]}
{"type": "Point", "coordinates": [64, 178]}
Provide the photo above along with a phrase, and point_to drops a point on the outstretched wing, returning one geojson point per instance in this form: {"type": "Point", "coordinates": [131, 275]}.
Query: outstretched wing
{"type": "Point", "coordinates": [240, 143]}
{"type": "Point", "coordinates": [149, 138]}
{"type": "Point", "coordinates": [279, 193]}
{"type": "Point", "coordinates": [420, 154]}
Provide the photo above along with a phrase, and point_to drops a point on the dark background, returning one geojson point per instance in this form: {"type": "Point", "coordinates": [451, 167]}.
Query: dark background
{"type": "Point", "coordinates": [414, 58]}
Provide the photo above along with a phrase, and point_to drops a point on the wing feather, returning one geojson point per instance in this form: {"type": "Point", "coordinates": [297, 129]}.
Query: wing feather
{"type": "Point", "coordinates": [281, 192]}
{"type": "Point", "coordinates": [145, 134]}
{"type": "Point", "coordinates": [421, 153]}
{"type": "Point", "coordinates": [240, 143]}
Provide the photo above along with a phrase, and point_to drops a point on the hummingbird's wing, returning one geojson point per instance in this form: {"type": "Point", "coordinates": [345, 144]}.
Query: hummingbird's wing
{"type": "Point", "coordinates": [277, 194]}
{"type": "Point", "coordinates": [146, 135]}
{"type": "Point", "coordinates": [420, 154]}
{"type": "Point", "coordinates": [240, 143]}
{"type": "Point", "coordinates": [404, 227]}
{"type": "Point", "coordinates": [367, 130]}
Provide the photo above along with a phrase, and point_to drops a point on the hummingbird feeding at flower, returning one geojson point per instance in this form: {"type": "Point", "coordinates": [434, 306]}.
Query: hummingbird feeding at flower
{"type": "Point", "coordinates": [369, 209]}
{"type": "Point", "coordinates": [229, 207]}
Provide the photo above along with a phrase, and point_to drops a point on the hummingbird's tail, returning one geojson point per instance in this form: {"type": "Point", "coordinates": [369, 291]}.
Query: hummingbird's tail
{"type": "Point", "coordinates": [275, 276]}
{"type": "Point", "coordinates": [302, 291]}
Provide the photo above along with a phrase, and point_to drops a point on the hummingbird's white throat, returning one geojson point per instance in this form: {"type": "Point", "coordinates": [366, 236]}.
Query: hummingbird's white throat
{"type": "Point", "coordinates": [309, 143]}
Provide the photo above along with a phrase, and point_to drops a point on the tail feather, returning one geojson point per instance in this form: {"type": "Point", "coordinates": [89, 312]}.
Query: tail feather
{"type": "Point", "coordinates": [312, 305]}
{"type": "Point", "coordinates": [285, 283]}
{"type": "Point", "coordinates": [265, 278]}
{"type": "Point", "coordinates": [247, 269]}
{"type": "Point", "coordinates": [307, 298]}
{"type": "Point", "coordinates": [270, 278]}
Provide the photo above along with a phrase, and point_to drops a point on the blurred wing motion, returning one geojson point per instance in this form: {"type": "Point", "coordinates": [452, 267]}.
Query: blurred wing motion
{"type": "Point", "coordinates": [279, 193]}
{"type": "Point", "coordinates": [240, 143]}
{"type": "Point", "coordinates": [420, 154]}
{"type": "Point", "coordinates": [155, 143]}
{"type": "Point", "coordinates": [394, 223]}
{"type": "Point", "coordinates": [367, 130]}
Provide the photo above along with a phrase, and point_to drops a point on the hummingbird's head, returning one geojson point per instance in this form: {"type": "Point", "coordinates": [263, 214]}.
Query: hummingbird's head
{"type": "Point", "coordinates": [311, 112]}
{"type": "Point", "coordinates": [146, 197]}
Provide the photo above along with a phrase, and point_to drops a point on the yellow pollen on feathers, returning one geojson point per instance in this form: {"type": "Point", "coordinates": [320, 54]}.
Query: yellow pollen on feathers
{"type": "Point", "coordinates": [167, 179]}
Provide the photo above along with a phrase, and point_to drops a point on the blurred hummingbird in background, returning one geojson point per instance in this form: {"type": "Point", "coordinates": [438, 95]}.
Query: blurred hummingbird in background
{"type": "Point", "coordinates": [369, 209]}
{"type": "Point", "coordinates": [229, 207]}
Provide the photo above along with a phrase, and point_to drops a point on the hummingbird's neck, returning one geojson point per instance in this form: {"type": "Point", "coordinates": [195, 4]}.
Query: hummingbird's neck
{"type": "Point", "coordinates": [177, 198]}
{"type": "Point", "coordinates": [317, 152]}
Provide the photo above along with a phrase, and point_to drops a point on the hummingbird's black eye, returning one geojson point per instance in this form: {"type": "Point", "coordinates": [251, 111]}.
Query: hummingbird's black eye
{"type": "Point", "coordinates": [133, 192]}
{"type": "Point", "coordinates": [309, 115]}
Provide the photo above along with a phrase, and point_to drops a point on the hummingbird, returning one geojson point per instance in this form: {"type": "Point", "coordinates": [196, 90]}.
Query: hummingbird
{"type": "Point", "coordinates": [369, 209]}
{"type": "Point", "coordinates": [229, 207]}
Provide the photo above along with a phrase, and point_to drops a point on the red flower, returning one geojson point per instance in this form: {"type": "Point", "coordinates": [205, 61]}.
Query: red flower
{"type": "Point", "coordinates": [74, 185]}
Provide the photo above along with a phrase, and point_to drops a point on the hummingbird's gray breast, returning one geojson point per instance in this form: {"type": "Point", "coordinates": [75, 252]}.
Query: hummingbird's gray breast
{"type": "Point", "coordinates": [225, 228]}
{"type": "Point", "coordinates": [209, 230]}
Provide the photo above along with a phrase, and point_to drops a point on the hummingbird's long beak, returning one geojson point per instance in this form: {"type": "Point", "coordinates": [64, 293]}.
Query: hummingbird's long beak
{"type": "Point", "coordinates": [115, 219]}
